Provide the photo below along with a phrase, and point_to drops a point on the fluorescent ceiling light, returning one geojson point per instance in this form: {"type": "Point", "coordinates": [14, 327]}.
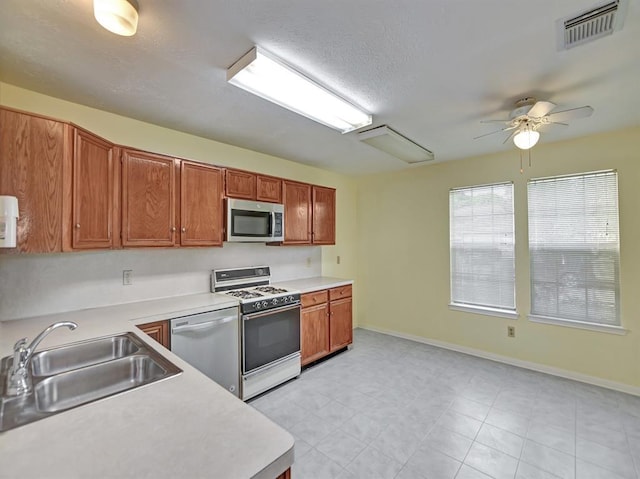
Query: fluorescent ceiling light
{"type": "Point", "coordinates": [526, 139]}
{"type": "Point", "coordinates": [117, 16]}
{"type": "Point", "coordinates": [391, 142]}
{"type": "Point", "coordinates": [265, 75]}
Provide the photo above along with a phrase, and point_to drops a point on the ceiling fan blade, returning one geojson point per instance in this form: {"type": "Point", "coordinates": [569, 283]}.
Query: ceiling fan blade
{"type": "Point", "coordinates": [540, 109]}
{"type": "Point", "coordinates": [558, 123]}
{"type": "Point", "coordinates": [513, 133]}
{"type": "Point", "coordinates": [495, 121]}
{"type": "Point", "coordinates": [506, 128]}
{"type": "Point", "coordinates": [574, 113]}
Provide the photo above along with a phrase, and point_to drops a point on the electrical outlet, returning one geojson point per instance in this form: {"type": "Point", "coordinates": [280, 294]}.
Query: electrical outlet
{"type": "Point", "coordinates": [511, 331]}
{"type": "Point", "coordinates": [127, 277]}
{"type": "Point", "coordinates": [338, 259]}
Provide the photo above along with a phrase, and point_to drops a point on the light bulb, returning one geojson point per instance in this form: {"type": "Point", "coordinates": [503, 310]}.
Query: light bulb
{"type": "Point", "coordinates": [117, 16]}
{"type": "Point", "coordinates": [526, 139]}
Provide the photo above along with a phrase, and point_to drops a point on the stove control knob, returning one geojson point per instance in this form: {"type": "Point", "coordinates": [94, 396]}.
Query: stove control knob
{"type": "Point", "coordinates": [264, 304]}
{"type": "Point", "coordinates": [290, 298]}
{"type": "Point", "coordinates": [274, 301]}
{"type": "Point", "coordinates": [285, 299]}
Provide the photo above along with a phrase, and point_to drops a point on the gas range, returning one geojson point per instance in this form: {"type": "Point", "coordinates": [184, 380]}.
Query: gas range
{"type": "Point", "coordinates": [251, 286]}
{"type": "Point", "coordinates": [269, 327]}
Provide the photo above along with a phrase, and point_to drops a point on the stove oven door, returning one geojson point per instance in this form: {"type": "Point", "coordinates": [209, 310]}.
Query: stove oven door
{"type": "Point", "coordinates": [269, 336]}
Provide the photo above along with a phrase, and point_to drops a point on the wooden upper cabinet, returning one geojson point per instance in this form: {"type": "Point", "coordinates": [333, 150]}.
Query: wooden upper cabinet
{"type": "Point", "coordinates": [268, 188]}
{"type": "Point", "coordinates": [251, 186]}
{"type": "Point", "coordinates": [93, 192]}
{"type": "Point", "coordinates": [148, 199]}
{"type": "Point", "coordinates": [324, 215]}
{"type": "Point", "coordinates": [297, 212]}
{"type": "Point", "coordinates": [32, 153]}
{"type": "Point", "coordinates": [240, 184]}
{"type": "Point", "coordinates": [201, 197]}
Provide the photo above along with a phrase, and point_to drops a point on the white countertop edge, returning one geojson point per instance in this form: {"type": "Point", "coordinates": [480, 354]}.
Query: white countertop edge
{"type": "Point", "coordinates": [315, 283]}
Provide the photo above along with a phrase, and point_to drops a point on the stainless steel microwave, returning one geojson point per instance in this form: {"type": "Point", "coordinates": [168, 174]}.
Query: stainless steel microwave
{"type": "Point", "coordinates": [254, 221]}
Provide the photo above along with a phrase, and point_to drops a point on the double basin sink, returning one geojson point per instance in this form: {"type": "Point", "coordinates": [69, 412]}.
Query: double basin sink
{"type": "Point", "coordinates": [79, 373]}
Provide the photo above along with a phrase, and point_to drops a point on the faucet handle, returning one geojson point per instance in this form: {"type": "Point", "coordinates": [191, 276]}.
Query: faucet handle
{"type": "Point", "coordinates": [20, 344]}
{"type": "Point", "coordinates": [19, 353]}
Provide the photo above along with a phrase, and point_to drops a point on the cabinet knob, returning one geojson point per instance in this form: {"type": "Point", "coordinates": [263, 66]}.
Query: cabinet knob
{"type": "Point", "coordinates": [77, 226]}
{"type": "Point", "coordinates": [184, 229]}
{"type": "Point", "coordinates": [173, 229]}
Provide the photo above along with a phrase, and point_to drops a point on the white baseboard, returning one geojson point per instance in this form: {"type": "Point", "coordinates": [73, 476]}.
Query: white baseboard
{"type": "Point", "coordinates": [563, 373]}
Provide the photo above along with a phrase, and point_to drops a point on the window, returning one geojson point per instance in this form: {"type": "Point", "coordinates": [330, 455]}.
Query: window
{"type": "Point", "coordinates": [482, 248]}
{"type": "Point", "coordinates": [574, 248]}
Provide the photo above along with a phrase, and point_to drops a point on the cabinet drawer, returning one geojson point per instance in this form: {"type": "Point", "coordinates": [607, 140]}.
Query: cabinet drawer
{"type": "Point", "coordinates": [311, 299]}
{"type": "Point", "coordinates": [339, 293]}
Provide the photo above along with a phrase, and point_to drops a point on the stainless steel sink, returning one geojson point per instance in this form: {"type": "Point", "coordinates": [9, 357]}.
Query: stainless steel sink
{"type": "Point", "coordinates": [79, 373]}
{"type": "Point", "coordinates": [74, 356]}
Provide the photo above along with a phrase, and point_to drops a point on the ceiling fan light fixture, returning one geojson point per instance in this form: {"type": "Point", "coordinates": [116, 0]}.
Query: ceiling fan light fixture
{"type": "Point", "coordinates": [265, 75]}
{"type": "Point", "coordinates": [526, 139]}
{"type": "Point", "coordinates": [117, 16]}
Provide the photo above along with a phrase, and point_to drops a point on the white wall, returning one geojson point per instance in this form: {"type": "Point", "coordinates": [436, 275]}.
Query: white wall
{"type": "Point", "coordinates": [33, 285]}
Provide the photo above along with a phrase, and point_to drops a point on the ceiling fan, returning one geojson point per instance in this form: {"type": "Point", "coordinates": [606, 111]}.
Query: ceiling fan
{"type": "Point", "coordinates": [529, 115]}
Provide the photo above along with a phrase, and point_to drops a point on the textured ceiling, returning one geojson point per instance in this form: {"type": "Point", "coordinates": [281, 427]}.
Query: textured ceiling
{"type": "Point", "coordinates": [429, 69]}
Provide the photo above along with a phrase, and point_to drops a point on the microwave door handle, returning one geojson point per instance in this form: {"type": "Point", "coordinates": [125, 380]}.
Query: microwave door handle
{"type": "Point", "coordinates": [272, 223]}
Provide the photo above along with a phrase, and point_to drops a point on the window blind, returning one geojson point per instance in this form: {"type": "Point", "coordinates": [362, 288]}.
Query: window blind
{"type": "Point", "coordinates": [482, 246]}
{"type": "Point", "coordinates": [574, 247]}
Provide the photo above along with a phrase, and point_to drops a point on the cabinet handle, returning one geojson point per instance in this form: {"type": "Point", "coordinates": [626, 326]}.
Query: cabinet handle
{"type": "Point", "coordinates": [173, 229]}
{"type": "Point", "coordinates": [77, 226]}
{"type": "Point", "coordinates": [184, 230]}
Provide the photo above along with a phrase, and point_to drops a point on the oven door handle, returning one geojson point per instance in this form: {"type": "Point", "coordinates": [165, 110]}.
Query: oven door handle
{"type": "Point", "coordinates": [248, 317]}
{"type": "Point", "coordinates": [201, 326]}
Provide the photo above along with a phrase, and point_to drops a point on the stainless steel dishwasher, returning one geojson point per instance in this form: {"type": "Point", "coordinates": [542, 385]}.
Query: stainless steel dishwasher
{"type": "Point", "coordinates": [210, 342]}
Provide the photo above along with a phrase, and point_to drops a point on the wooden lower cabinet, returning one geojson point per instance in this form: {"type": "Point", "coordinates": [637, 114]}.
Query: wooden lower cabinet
{"type": "Point", "coordinates": [285, 475]}
{"type": "Point", "coordinates": [340, 324]}
{"type": "Point", "coordinates": [314, 332]}
{"type": "Point", "coordinates": [326, 322]}
{"type": "Point", "coordinates": [158, 330]}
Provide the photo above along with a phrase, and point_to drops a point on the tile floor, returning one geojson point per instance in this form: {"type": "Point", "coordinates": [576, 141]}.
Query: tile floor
{"type": "Point", "coordinates": [393, 408]}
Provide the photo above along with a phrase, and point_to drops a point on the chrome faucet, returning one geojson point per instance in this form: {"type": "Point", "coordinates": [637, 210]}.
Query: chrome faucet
{"type": "Point", "coordinates": [19, 378]}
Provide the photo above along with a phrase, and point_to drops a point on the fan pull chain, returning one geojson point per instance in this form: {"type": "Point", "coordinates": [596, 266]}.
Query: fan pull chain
{"type": "Point", "coordinates": [521, 170]}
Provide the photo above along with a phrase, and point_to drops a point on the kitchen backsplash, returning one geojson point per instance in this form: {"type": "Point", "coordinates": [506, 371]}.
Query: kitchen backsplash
{"type": "Point", "coordinates": [33, 285]}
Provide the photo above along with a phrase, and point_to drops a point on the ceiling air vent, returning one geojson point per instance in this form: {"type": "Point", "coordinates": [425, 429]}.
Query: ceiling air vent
{"type": "Point", "coordinates": [596, 23]}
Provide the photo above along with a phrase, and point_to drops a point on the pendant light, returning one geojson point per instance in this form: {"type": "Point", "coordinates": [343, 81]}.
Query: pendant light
{"type": "Point", "coordinates": [117, 16]}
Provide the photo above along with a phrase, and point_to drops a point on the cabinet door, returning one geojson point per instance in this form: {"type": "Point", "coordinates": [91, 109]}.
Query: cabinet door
{"type": "Point", "coordinates": [314, 333]}
{"type": "Point", "coordinates": [297, 212]}
{"type": "Point", "coordinates": [148, 199]}
{"type": "Point", "coordinates": [269, 189]}
{"type": "Point", "coordinates": [340, 324]}
{"type": "Point", "coordinates": [32, 152]}
{"type": "Point", "coordinates": [324, 215]}
{"type": "Point", "coordinates": [93, 192]}
{"type": "Point", "coordinates": [240, 184]}
{"type": "Point", "coordinates": [158, 330]}
{"type": "Point", "coordinates": [200, 205]}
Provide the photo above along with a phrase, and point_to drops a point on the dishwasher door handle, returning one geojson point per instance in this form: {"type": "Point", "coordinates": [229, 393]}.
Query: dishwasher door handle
{"type": "Point", "coordinates": [201, 326]}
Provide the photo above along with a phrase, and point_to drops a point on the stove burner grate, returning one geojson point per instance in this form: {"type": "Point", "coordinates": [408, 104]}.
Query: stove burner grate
{"type": "Point", "coordinates": [270, 289]}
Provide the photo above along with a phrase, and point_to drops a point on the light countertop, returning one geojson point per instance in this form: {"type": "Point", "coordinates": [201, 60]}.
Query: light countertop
{"type": "Point", "coordinates": [307, 285]}
{"type": "Point", "coordinates": [183, 426]}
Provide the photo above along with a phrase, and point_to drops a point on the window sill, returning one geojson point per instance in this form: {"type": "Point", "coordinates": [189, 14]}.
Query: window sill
{"type": "Point", "coordinates": [500, 313]}
{"type": "Point", "coordinates": [602, 328]}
